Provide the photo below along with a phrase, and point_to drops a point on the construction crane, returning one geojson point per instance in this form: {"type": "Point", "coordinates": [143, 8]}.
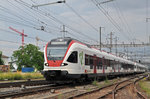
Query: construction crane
{"type": "Point", "coordinates": [21, 33]}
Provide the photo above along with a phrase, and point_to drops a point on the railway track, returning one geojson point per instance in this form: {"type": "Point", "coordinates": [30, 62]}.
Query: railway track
{"type": "Point", "coordinates": [138, 92]}
{"type": "Point", "coordinates": [120, 86]}
{"type": "Point", "coordinates": [110, 91]}
{"type": "Point", "coordinates": [22, 88]}
{"type": "Point", "coordinates": [32, 90]}
{"type": "Point", "coordinates": [29, 83]}
{"type": "Point", "coordinates": [33, 87]}
{"type": "Point", "coordinates": [23, 83]}
{"type": "Point", "coordinates": [96, 93]}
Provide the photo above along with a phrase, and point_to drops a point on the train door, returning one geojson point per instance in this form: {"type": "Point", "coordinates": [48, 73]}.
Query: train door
{"type": "Point", "coordinates": [106, 65]}
{"type": "Point", "coordinates": [103, 64]}
{"type": "Point", "coordinates": [95, 63]}
{"type": "Point", "coordinates": [114, 63]}
{"type": "Point", "coordinates": [119, 66]}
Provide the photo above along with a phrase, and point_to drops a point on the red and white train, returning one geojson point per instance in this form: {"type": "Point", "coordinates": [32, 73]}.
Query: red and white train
{"type": "Point", "coordinates": [66, 58]}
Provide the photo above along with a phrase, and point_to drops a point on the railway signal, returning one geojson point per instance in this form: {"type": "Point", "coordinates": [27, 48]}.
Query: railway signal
{"type": "Point", "coordinates": [21, 33]}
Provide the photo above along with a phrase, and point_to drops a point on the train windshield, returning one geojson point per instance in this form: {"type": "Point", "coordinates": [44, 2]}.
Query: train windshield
{"type": "Point", "coordinates": [56, 53]}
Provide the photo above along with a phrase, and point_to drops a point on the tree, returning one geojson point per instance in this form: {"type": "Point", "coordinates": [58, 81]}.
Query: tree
{"type": "Point", "coordinates": [29, 56]}
{"type": "Point", "coordinates": [1, 61]}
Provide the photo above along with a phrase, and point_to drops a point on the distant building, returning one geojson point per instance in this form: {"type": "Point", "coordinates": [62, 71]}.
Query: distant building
{"type": "Point", "coordinates": [4, 68]}
{"type": "Point", "coordinates": [5, 59]}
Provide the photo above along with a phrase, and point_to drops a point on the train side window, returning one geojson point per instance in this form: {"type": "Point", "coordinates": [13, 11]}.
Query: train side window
{"type": "Point", "coordinates": [98, 65]}
{"type": "Point", "coordinates": [86, 59]}
{"type": "Point", "coordinates": [73, 58]}
{"type": "Point", "coordinates": [108, 63]}
{"type": "Point", "coordinates": [91, 62]}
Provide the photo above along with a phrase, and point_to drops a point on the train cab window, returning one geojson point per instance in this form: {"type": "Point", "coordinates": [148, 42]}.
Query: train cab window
{"type": "Point", "coordinates": [73, 58]}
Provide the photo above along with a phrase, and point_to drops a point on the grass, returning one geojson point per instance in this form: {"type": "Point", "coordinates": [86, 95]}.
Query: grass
{"type": "Point", "coordinates": [19, 76]}
{"type": "Point", "coordinates": [60, 96]}
{"type": "Point", "coordinates": [145, 86]}
{"type": "Point", "coordinates": [95, 83]}
{"type": "Point", "coordinates": [100, 85]}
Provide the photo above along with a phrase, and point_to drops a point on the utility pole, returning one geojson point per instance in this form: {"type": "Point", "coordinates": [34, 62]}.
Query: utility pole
{"type": "Point", "coordinates": [100, 37]}
{"type": "Point", "coordinates": [21, 33]}
{"type": "Point", "coordinates": [149, 39]}
{"type": "Point", "coordinates": [63, 31]}
{"type": "Point", "coordinates": [111, 38]}
{"type": "Point", "coordinates": [116, 39]}
{"type": "Point", "coordinates": [111, 34]}
{"type": "Point", "coordinates": [144, 52]}
{"type": "Point", "coordinates": [147, 30]}
{"type": "Point", "coordinates": [127, 53]}
{"type": "Point", "coordinates": [37, 39]}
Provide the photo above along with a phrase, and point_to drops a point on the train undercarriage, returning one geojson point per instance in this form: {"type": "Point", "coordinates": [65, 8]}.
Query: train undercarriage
{"type": "Point", "coordinates": [57, 75]}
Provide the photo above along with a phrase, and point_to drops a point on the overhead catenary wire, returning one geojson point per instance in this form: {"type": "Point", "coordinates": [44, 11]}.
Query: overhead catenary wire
{"type": "Point", "coordinates": [10, 12]}
{"type": "Point", "coordinates": [37, 18]}
{"type": "Point", "coordinates": [11, 20]}
{"type": "Point", "coordinates": [93, 27]}
{"type": "Point", "coordinates": [107, 15]}
{"type": "Point", "coordinates": [71, 34]}
{"type": "Point", "coordinates": [121, 30]}
{"type": "Point", "coordinates": [22, 18]}
{"type": "Point", "coordinates": [9, 41]}
{"type": "Point", "coordinates": [81, 17]}
{"type": "Point", "coordinates": [54, 19]}
{"type": "Point", "coordinates": [18, 35]}
{"type": "Point", "coordinates": [55, 14]}
{"type": "Point", "coordinates": [124, 22]}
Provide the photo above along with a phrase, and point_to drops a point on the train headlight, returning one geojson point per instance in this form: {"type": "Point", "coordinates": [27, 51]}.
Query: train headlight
{"type": "Point", "coordinates": [64, 64]}
{"type": "Point", "coordinates": [46, 64]}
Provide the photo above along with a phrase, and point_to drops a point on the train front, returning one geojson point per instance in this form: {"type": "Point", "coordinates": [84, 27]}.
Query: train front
{"type": "Point", "coordinates": [54, 53]}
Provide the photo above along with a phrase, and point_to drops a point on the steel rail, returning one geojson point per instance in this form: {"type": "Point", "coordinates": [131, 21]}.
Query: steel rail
{"type": "Point", "coordinates": [98, 89]}
{"type": "Point", "coordinates": [117, 89]}
{"type": "Point", "coordinates": [25, 83]}
{"type": "Point", "coordinates": [27, 91]}
{"type": "Point", "coordinates": [141, 95]}
{"type": "Point", "coordinates": [30, 83]}
{"type": "Point", "coordinates": [95, 90]}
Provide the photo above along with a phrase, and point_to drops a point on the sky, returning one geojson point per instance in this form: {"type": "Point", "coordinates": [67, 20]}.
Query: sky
{"type": "Point", "coordinates": [82, 19]}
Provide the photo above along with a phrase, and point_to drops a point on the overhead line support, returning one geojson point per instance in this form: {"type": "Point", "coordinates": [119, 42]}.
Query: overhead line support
{"type": "Point", "coordinates": [48, 3]}
{"type": "Point", "coordinates": [100, 40]}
